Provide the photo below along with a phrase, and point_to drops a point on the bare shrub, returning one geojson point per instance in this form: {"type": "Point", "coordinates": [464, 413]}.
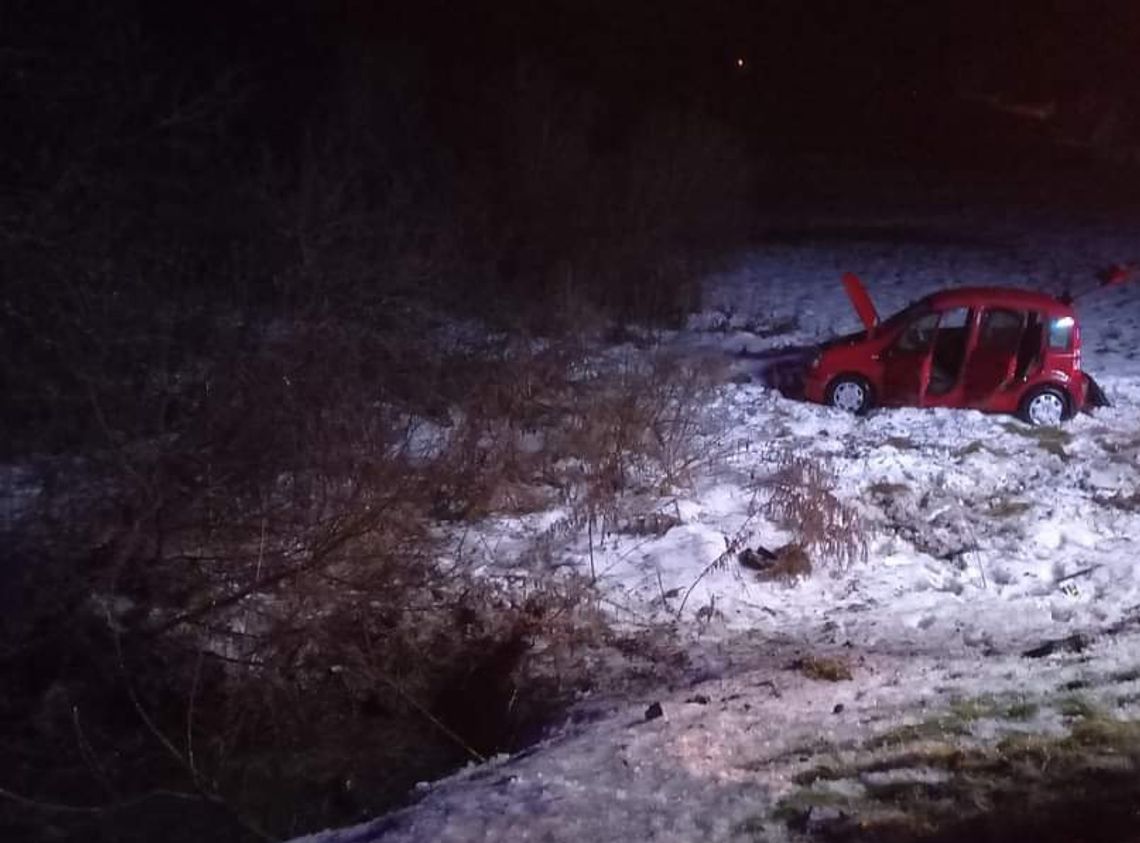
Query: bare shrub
{"type": "Point", "coordinates": [229, 614]}
{"type": "Point", "coordinates": [259, 590]}
{"type": "Point", "coordinates": [642, 423]}
{"type": "Point", "coordinates": [802, 501]}
{"type": "Point", "coordinates": [585, 428]}
{"type": "Point", "coordinates": [791, 563]}
{"type": "Point", "coordinates": [363, 690]}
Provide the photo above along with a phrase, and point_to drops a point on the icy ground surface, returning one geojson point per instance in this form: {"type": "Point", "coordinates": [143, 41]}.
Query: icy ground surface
{"type": "Point", "coordinates": [983, 540]}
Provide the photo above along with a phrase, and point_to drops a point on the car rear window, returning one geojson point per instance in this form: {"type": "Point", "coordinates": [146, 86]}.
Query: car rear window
{"type": "Point", "coordinates": [1060, 333]}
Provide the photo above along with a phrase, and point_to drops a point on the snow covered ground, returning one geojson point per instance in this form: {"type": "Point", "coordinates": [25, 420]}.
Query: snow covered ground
{"type": "Point", "coordinates": [983, 539]}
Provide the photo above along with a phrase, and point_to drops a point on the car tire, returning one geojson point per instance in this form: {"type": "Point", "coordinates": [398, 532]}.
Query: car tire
{"type": "Point", "coordinates": [851, 393]}
{"type": "Point", "coordinates": [1046, 406]}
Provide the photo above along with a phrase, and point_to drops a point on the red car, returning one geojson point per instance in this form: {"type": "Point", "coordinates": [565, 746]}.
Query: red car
{"type": "Point", "coordinates": [996, 349]}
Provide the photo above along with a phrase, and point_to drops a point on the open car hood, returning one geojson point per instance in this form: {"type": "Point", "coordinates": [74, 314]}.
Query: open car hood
{"type": "Point", "coordinates": [860, 300]}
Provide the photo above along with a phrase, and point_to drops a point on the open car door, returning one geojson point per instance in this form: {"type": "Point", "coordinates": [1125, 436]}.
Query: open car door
{"type": "Point", "coordinates": [992, 362]}
{"type": "Point", "coordinates": [906, 364]}
{"type": "Point", "coordinates": [860, 300]}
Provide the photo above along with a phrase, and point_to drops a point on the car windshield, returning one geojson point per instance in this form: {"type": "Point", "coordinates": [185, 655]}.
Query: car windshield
{"type": "Point", "coordinates": [908, 313]}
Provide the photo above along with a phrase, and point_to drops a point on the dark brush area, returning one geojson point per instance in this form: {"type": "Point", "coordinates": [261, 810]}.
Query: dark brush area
{"type": "Point", "coordinates": [238, 241]}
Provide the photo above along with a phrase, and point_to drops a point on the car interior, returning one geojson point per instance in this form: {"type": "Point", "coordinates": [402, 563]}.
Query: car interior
{"type": "Point", "coordinates": [998, 347]}
{"type": "Point", "coordinates": [1009, 337]}
{"type": "Point", "coordinates": [1029, 351]}
{"type": "Point", "coordinates": [949, 351]}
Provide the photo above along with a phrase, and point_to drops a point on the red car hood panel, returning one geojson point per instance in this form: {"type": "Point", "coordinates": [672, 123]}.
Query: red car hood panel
{"type": "Point", "coordinates": [860, 300]}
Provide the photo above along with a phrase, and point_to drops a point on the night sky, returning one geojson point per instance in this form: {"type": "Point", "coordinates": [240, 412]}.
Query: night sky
{"type": "Point", "coordinates": [881, 80]}
{"type": "Point", "coordinates": [887, 78]}
{"type": "Point", "coordinates": [1036, 92]}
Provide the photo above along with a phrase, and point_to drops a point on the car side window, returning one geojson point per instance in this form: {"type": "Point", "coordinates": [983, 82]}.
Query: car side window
{"type": "Point", "coordinates": [1060, 333]}
{"type": "Point", "coordinates": [959, 317]}
{"type": "Point", "coordinates": [920, 333]}
{"type": "Point", "coordinates": [1001, 329]}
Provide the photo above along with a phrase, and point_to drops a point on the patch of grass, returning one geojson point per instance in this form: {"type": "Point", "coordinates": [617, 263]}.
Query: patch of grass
{"type": "Point", "coordinates": [1000, 707]}
{"type": "Point", "coordinates": [1125, 503]}
{"type": "Point", "coordinates": [1008, 509]}
{"type": "Point", "coordinates": [1076, 707]}
{"type": "Point", "coordinates": [1130, 674]}
{"type": "Point", "coordinates": [1041, 435]}
{"type": "Point", "coordinates": [932, 729]}
{"type": "Point", "coordinates": [956, 722]}
{"type": "Point", "coordinates": [1098, 731]}
{"type": "Point", "coordinates": [654, 524]}
{"type": "Point", "coordinates": [822, 772]}
{"type": "Point", "coordinates": [933, 754]}
{"type": "Point", "coordinates": [886, 489]}
{"type": "Point", "coordinates": [752, 826]}
{"type": "Point", "coordinates": [969, 709]}
{"type": "Point", "coordinates": [799, 808]}
{"type": "Point", "coordinates": [1052, 440]}
{"type": "Point", "coordinates": [1091, 736]}
{"type": "Point", "coordinates": [1117, 448]}
{"type": "Point", "coordinates": [1022, 711]}
{"type": "Point", "coordinates": [799, 752]}
{"type": "Point", "coordinates": [977, 446]}
{"type": "Point", "coordinates": [1083, 785]}
{"type": "Point", "coordinates": [812, 796]}
{"type": "Point", "coordinates": [774, 327]}
{"type": "Point", "coordinates": [824, 668]}
{"type": "Point", "coordinates": [901, 443]}
{"type": "Point", "coordinates": [1021, 746]}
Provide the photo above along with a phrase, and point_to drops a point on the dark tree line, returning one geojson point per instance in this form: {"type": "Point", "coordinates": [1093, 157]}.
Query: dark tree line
{"type": "Point", "coordinates": [234, 238]}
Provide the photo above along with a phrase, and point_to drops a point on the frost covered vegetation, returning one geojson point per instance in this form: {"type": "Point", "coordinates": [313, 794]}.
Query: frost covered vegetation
{"type": "Point", "coordinates": [251, 396]}
{"type": "Point", "coordinates": [252, 610]}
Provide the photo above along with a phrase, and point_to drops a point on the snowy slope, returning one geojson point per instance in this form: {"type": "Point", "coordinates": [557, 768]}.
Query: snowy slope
{"type": "Point", "coordinates": [982, 536]}
{"type": "Point", "coordinates": [725, 753]}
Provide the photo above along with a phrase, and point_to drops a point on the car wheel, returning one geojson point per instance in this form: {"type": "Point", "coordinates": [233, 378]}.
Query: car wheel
{"type": "Point", "coordinates": [1046, 406]}
{"type": "Point", "coordinates": [851, 393]}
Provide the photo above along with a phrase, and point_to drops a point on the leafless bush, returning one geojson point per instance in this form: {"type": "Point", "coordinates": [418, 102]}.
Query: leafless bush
{"type": "Point", "coordinates": [801, 499]}
{"type": "Point", "coordinates": [220, 356]}
{"type": "Point", "coordinates": [584, 428]}
{"type": "Point", "coordinates": [262, 579]}
{"type": "Point", "coordinates": [633, 424]}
